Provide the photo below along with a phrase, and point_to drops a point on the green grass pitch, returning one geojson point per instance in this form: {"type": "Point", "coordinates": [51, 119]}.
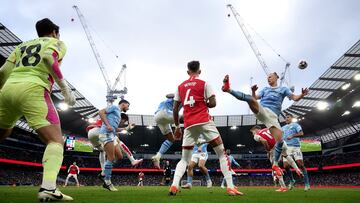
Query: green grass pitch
{"type": "Point", "coordinates": [159, 194]}
{"type": "Point", "coordinates": [310, 147]}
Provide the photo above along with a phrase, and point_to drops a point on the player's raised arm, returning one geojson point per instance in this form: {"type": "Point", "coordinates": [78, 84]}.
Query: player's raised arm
{"type": "Point", "coordinates": [254, 88]}
{"type": "Point", "coordinates": [211, 102]}
{"type": "Point", "coordinates": [102, 114]}
{"type": "Point", "coordinates": [304, 92]}
{"type": "Point", "coordinates": [210, 96]}
{"type": "Point", "coordinates": [5, 71]}
{"type": "Point", "coordinates": [176, 109]}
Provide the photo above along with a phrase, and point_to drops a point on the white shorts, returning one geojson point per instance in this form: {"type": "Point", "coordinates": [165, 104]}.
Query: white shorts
{"type": "Point", "coordinates": [295, 152]}
{"type": "Point", "coordinates": [93, 136]}
{"type": "Point", "coordinates": [283, 153]}
{"type": "Point", "coordinates": [196, 157]}
{"type": "Point", "coordinates": [72, 175]}
{"type": "Point", "coordinates": [164, 120]}
{"type": "Point", "coordinates": [106, 138]}
{"type": "Point", "coordinates": [268, 117]}
{"type": "Point", "coordinates": [191, 134]}
{"type": "Point", "coordinates": [116, 141]}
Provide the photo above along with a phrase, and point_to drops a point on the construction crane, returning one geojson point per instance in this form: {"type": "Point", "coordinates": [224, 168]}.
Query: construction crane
{"type": "Point", "coordinates": [240, 21]}
{"type": "Point", "coordinates": [112, 93]}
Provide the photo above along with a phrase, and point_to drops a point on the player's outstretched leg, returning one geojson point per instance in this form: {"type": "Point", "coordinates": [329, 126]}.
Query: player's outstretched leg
{"type": "Point", "coordinates": [292, 163]}
{"type": "Point", "coordinates": [130, 156]}
{"type": "Point", "coordinates": [180, 170]}
{"type": "Point", "coordinates": [253, 104]}
{"type": "Point", "coordinates": [237, 94]}
{"type": "Point", "coordinates": [165, 146]}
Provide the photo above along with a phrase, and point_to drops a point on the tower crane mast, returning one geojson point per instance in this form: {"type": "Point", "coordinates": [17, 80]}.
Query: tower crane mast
{"type": "Point", "coordinates": [240, 22]}
{"type": "Point", "coordinates": [112, 92]}
{"type": "Point", "coordinates": [248, 37]}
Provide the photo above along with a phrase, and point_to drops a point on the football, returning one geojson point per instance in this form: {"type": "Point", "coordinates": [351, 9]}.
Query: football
{"type": "Point", "coordinates": [302, 64]}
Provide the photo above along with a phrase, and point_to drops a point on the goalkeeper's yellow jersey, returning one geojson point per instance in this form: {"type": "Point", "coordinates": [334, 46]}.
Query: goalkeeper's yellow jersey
{"type": "Point", "coordinates": [29, 63]}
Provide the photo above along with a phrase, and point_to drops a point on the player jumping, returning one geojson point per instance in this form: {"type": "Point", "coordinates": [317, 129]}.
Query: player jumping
{"type": "Point", "coordinates": [164, 119]}
{"type": "Point", "coordinates": [111, 119]}
{"type": "Point", "coordinates": [26, 81]}
{"type": "Point", "coordinates": [292, 132]}
{"type": "Point", "coordinates": [73, 172]}
{"type": "Point", "coordinates": [196, 96]}
{"type": "Point", "coordinates": [120, 147]}
{"type": "Point", "coordinates": [269, 108]}
{"type": "Point", "coordinates": [264, 137]}
{"type": "Point", "coordinates": [199, 157]}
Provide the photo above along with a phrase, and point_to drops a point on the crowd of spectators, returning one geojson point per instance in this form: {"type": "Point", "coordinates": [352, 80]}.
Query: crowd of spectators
{"type": "Point", "coordinates": [20, 177]}
{"type": "Point", "coordinates": [91, 159]}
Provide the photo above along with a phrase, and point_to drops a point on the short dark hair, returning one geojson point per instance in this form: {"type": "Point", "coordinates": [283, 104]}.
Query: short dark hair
{"type": "Point", "coordinates": [45, 27]}
{"type": "Point", "coordinates": [275, 73]}
{"type": "Point", "coordinates": [256, 127]}
{"type": "Point", "coordinates": [193, 66]}
{"type": "Point", "coordinates": [124, 101]}
{"type": "Point", "coordinates": [124, 116]}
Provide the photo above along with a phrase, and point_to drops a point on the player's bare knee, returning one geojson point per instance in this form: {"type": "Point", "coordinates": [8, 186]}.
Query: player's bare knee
{"type": "Point", "coordinates": [216, 142]}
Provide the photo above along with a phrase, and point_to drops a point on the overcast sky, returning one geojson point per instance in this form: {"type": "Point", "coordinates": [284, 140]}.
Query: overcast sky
{"type": "Point", "coordinates": [156, 39]}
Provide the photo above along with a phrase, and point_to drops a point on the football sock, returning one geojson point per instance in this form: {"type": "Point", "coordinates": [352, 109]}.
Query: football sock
{"type": "Point", "coordinates": [127, 151]}
{"type": "Point", "coordinates": [108, 170]}
{"type": "Point", "coordinates": [223, 182]}
{"type": "Point", "coordinates": [102, 162]}
{"type": "Point", "coordinates": [281, 182]}
{"type": "Point", "coordinates": [189, 180]}
{"type": "Point", "coordinates": [52, 160]}
{"type": "Point", "coordinates": [181, 166]}
{"type": "Point", "coordinates": [224, 165]}
{"type": "Point", "coordinates": [292, 162]}
{"type": "Point", "coordinates": [289, 174]}
{"type": "Point", "coordinates": [241, 96]}
{"type": "Point", "coordinates": [207, 177]}
{"type": "Point", "coordinates": [165, 146]}
{"type": "Point", "coordinates": [277, 152]}
{"type": "Point", "coordinates": [306, 177]}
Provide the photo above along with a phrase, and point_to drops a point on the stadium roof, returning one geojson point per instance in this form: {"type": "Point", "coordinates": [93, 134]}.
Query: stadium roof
{"type": "Point", "coordinates": [329, 84]}
{"type": "Point", "coordinates": [8, 41]}
{"type": "Point", "coordinates": [330, 109]}
{"type": "Point", "coordinates": [73, 120]}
